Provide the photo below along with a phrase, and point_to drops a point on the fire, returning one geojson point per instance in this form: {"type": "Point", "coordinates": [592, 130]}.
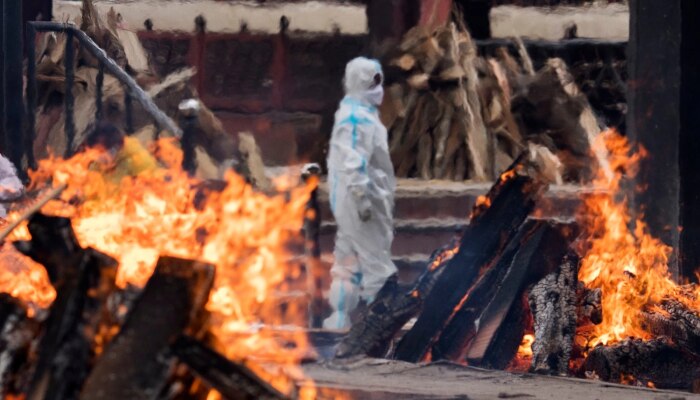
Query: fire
{"type": "Point", "coordinates": [525, 349]}
{"type": "Point", "coordinates": [24, 279]}
{"type": "Point", "coordinates": [625, 262]}
{"type": "Point", "coordinates": [246, 234]}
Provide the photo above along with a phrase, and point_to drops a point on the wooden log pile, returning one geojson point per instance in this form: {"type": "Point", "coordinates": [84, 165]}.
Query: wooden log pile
{"type": "Point", "coordinates": [455, 115]}
{"type": "Point", "coordinates": [215, 148]}
{"type": "Point", "coordinates": [83, 349]}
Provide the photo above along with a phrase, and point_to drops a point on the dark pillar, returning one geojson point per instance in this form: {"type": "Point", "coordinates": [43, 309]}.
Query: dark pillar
{"type": "Point", "coordinates": [690, 139]}
{"type": "Point", "coordinates": [37, 10]}
{"type": "Point", "coordinates": [664, 117]}
{"type": "Point", "coordinates": [12, 77]}
{"type": "Point", "coordinates": [2, 76]}
{"type": "Point", "coordinates": [388, 20]}
{"type": "Point", "coordinates": [476, 16]}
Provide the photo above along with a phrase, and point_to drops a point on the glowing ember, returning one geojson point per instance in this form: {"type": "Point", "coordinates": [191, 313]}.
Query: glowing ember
{"type": "Point", "coordinates": [627, 264]}
{"type": "Point", "coordinates": [165, 212]}
{"type": "Point", "coordinates": [525, 349]}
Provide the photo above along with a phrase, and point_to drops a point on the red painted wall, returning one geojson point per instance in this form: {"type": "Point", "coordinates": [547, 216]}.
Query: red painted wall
{"type": "Point", "coordinates": [435, 12]}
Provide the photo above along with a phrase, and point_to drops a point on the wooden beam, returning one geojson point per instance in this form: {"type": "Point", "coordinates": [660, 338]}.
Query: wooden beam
{"type": "Point", "coordinates": [492, 227]}
{"type": "Point", "coordinates": [137, 364]}
{"type": "Point", "coordinates": [232, 380]}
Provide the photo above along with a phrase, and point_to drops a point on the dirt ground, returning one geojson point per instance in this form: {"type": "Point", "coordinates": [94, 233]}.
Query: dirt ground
{"type": "Point", "coordinates": [382, 379]}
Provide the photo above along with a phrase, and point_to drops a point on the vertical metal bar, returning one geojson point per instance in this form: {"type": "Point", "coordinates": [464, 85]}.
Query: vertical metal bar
{"type": "Point", "coordinates": [31, 97]}
{"type": "Point", "coordinates": [128, 111]}
{"type": "Point", "coordinates": [69, 59]}
{"type": "Point", "coordinates": [189, 109]}
{"type": "Point", "coordinates": [312, 228]}
{"type": "Point", "coordinates": [12, 65]}
{"type": "Point", "coordinates": [189, 161]}
{"type": "Point", "coordinates": [98, 91]}
{"type": "Point", "coordinates": [3, 132]}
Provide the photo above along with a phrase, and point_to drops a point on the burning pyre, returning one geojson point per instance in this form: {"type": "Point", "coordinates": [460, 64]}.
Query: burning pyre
{"type": "Point", "coordinates": [244, 233]}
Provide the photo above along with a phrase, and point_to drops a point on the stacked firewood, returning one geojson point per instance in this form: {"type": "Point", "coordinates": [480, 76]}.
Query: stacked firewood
{"type": "Point", "coordinates": [215, 146]}
{"type": "Point", "coordinates": [455, 115]}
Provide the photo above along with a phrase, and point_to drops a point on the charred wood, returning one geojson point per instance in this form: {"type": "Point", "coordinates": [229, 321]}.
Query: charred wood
{"type": "Point", "coordinates": [673, 319]}
{"type": "Point", "coordinates": [553, 306]}
{"type": "Point", "coordinates": [659, 360]}
{"type": "Point", "coordinates": [53, 244]}
{"type": "Point", "coordinates": [233, 380]}
{"type": "Point", "coordinates": [83, 278]}
{"type": "Point", "coordinates": [461, 330]}
{"type": "Point", "coordinates": [501, 323]}
{"type": "Point", "coordinates": [16, 334]}
{"type": "Point", "coordinates": [590, 307]}
{"type": "Point", "coordinates": [509, 202]}
{"type": "Point", "coordinates": [136, 364]}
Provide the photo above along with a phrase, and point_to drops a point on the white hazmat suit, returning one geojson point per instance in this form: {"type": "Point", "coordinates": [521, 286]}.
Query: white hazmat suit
{"type": "Point", "coordinates": [361, 184]}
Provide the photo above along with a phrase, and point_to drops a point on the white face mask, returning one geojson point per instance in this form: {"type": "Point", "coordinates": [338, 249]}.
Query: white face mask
{"type": "Point", "coordinates": [375, 96]}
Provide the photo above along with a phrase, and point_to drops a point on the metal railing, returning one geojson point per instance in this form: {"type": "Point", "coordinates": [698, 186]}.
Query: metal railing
{"type": "Point", "coordinates": [132, 91]}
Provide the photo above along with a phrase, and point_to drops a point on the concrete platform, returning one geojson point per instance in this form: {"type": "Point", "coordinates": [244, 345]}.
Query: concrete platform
{"type": "Point", "coordinates": [373, 379]}
{"type": "Point", "coordinates": [429, 213]}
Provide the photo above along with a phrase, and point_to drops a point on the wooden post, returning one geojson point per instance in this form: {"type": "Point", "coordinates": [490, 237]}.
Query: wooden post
{"type": "Point", "coordinates": [13, 107]}
{"type": "Point", "coordinates": [476, 16]}
{"type": "Point", "coordinates": [388, 20]}
{"type": "Point", "coordinates": [663, 117]}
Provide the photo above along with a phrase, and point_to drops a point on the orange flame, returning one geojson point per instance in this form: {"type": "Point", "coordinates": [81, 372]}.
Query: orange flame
{"type": "Point", "coordinates": [24, 279]}
{"type": "Point", "coordinates": [627, 264]}
{"type": "Point", "coordinates": [246, 234]}
{"type": "Point", "coordinates": [525, 348]}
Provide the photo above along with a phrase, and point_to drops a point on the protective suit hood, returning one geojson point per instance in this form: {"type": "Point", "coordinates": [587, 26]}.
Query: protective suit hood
{"type": "Point", "coordinates": [363, 80]}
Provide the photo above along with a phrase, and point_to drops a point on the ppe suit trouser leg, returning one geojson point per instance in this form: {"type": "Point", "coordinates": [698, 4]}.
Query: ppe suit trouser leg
{"type": "Point", "coordinates": [344, 295]}
{"type": "Point", "coordinates": [373, 248]}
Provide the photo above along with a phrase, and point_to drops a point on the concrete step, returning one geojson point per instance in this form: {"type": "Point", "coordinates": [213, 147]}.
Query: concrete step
{"type": "Point", "coordinates": [421, 199]}
{"type": "Point", "coordinates": [410, 266]}
{"type": "Point", "coordinates": [417, 236]}
{"type": "Point", "coordinates": [429, 214]}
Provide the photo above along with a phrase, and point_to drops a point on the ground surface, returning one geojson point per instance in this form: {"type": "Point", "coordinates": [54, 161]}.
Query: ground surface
{"type": "Point", "coordinates": [381, 379]}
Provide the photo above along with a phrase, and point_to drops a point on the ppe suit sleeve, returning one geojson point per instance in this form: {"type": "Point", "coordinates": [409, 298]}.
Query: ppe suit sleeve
{"type": "Point", "coordinates": [10, 185]}
{"type": "Point", "coordinates": [354, 144]}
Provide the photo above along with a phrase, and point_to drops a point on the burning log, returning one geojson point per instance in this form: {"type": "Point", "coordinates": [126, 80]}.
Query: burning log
{"type": "Point", "coordinates": [673, 319]}
{"type": "Point", "coordinates": [501, 324]}
{"type": "Point", "coordinates": [553, 306]}
{"type": "Point", "coordinates": [658, 361]}
{"type": "Point", "coordinates": [31, 210]}
{"type": "Point", "coordinates": [83, 278]}
{"type": "Point", "coordinates": [136, 364]}
{"type": "Point", "coordinates": [234, 381]}
{"type": "Point", "coordinates": [393, 307]}
{"type": "Point", "coordinates": [495, 222]}
{"type": "Point", "coordinates": [532, 253]}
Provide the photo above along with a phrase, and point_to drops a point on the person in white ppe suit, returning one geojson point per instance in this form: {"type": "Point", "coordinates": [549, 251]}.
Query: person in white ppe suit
{"type": "Point", "coordinates": [361, 184]}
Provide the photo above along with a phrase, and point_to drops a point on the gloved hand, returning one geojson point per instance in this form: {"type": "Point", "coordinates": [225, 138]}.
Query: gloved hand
{"type": "Point", "coordinates": [364, 206]}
